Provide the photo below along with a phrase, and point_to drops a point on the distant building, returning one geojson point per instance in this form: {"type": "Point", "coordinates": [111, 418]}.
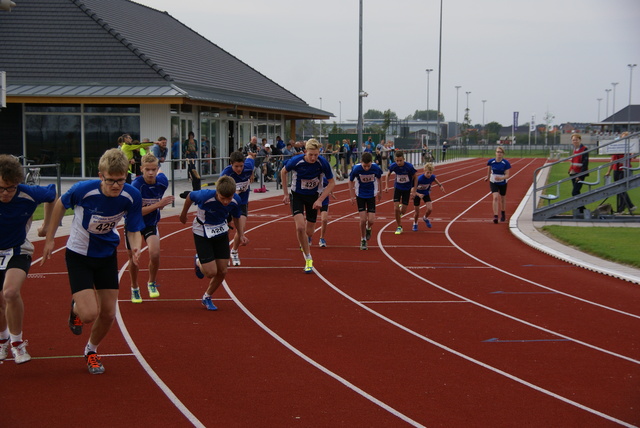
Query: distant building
{"type": "Point", "coordinates": [82, 72]}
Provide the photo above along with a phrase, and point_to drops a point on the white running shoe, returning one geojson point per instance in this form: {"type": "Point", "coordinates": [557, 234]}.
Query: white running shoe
{"type": "Point", "coordinates": [235, 258]}
{"type": "Point", "coordinates": [20, 354]}
{"type": "Point", "coordinates": [4, 350]}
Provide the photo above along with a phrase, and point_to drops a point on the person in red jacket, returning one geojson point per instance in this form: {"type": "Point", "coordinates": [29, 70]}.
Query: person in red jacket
{"type": "Point", "coordinates": [579, 164]}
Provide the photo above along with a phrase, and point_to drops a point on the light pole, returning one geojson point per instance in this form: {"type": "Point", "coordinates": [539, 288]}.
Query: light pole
{"type": "Point", "coordinates": [483, 125]}
{"type": "Point", "coordinates": [607, 110]}
{"type": "Point", "coordinates": [457, 123]}
{"type": "Point", "coordinates": [599, 100]}
{"type": "Point", "coordinates": [466, 119]}
{"type": "Point", "coordinates": [428, 70]}
{"type": "Point", "coordinates": [631, 66]}
{"type": "Point", "coordinates": [439, 75]}
{"type": "Point", "coordinates": [360, 91]}
{"type": "Point", "coordinates": [340, 115]}
{"type": "Point", "coordinates": [613, 118]}
{"type": "Point", "coordinates": [320, 121]}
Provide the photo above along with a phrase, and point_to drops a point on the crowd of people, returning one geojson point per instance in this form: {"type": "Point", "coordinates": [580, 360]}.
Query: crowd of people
{"type": "Point", "coordinates": [307, 175]}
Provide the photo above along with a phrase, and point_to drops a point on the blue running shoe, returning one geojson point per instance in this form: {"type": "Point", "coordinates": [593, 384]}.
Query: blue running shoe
{"type": "Point", "coordinates": [207, 303]}
{"type": "Point", "coordinates": [323, 243]}
{"type": "Point", "coordinates": [414, 227]}
{"type": "Point", "coordinates": [427, 222]}
{"type": "Point", "coordinates": [199, 273]}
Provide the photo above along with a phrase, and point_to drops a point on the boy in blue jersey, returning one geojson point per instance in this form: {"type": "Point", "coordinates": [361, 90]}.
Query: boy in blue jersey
{"type": "Point", "coordinates": [404, 188]}
{"type": "Point", "coordinates": [17, 204]}
{"type": "Point", "coordinates": [307, 193]}
{"type": "Point", "coordinates": [497, 174]}
{"type": "Point", "coordinates": [423, 192]}
{"type": "Point", "coordinates": [211, 232]}
{"type": "Point", "coordinates": [364, 188]}
{"type": "Point", "coordinates": [152, 184]}
{"type": "Point", "coordinates": [91, 254]}
{"type": "Point", "coordinates": [241, 170]}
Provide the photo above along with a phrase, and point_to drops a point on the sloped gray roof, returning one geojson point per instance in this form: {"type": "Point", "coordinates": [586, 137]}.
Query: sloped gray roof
{"type": "Point", "coordinates": [622, 116]}
{"type": "Point", "coordinates": [60, 47]}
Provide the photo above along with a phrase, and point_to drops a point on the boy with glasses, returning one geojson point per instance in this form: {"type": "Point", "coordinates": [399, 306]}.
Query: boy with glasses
{"type": "Point", "coordinates": [91, 254]}
{"type": "Point", "coordinates": [17, 204]}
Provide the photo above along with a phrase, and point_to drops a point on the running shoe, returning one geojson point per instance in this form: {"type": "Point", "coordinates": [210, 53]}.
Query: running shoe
{"type": "Point", "coordinates": [363, 244]}
{"type": "Point", "coordinates": [235, 258]}
{"type": "Point", "coordinates": [153, 290]}
{"type": "Point", "coordinates": [323, 243]}
{"type": "Point", "coordinates": [427, 222]}
{"type": "Point", "coordinates": [135, 295]}
{"type": "Point", "coordinates": [208, 303]}
{"type": "Point", "coordinates": [93, 363]}
{"type": "Point", "coordinates": [308, 267]}
{"type": "Point", "coordinates": [503, 219]}
{"type": "Point", "coordinates": [4, 349]}
{"type": "Point", "coordinates": [20, 354]}
{"type": "Point", "coordinates": [310, 240]}
{"type": "Point", "coordinates": [399, 230]}
{"type": "Point", "coordinates": [414, 227]}
{"type": "Point", "coordinates": [368, 234]}
{"type": "Point", "coordinates": [495, 219]}
{"type": "Point", "coordinates": [75, 324]}
{"type": "Point", "coordinates": [199, 273]}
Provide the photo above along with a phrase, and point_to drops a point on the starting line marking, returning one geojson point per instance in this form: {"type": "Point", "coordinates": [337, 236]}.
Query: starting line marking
{"type": "Point", "coordinates": [411, 301]}
{"type": "Point", "coordinates": [496, 340]}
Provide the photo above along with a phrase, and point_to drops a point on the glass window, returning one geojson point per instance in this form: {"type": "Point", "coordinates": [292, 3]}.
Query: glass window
{"type": "Point", "coordinates": [102, 132]}
{"type": "Point", "coordinates": [95, 108]}
{"type": "Point", "coordinates": [52, 108]}
{"type": "Point", "coordinates": [52, 139]}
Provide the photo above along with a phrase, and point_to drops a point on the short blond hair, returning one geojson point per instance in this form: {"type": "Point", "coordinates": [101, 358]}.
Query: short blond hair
{"type": "Point", "coordinates": [149, 158]}
{"type": "Point", "coordinates": [429, 166]}
{"type": "Point", "coordinates": [226, 186]}
{"type": "Point", "coordinates": [313, 144]}
{"type": "Point", "coordinates": [113, 161]}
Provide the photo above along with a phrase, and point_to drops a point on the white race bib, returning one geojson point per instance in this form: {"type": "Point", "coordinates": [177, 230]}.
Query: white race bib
{"type": "Point", "coordinates": [213, 230]}
{"type": "Point", "coordinates": [100, 225]}
{"type": "Point", "coordinates": [402, 179]}
{"type": "Point", "coordinates": [309, 184]}
{"type": "Point", "coordinates": [5, 256]}
{"type": "Point", "coordinates": [367, 178]}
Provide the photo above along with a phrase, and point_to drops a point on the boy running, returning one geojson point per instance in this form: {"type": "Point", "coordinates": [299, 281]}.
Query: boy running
{"type": "Point", "coordinates": [365, 177]}
{"type": "Point", "coordinates": [91, 253]}
{"type": "Point", "coordinates": [241, 170]}
{"type": "Point", "coordinates": [497, 174]}
{"type": "Point", "coordinates": [17, 204]}
{"type": "Point", "coordinates": [406, 180]}
{"type": "Point", "coordinates": [152, 184]}
{"type": "Point", "coordinates": [423, 192]}
{"type": "Point", "coordinates": [307, 193]}
{"type": "Point", "coordinates": [211, 232]}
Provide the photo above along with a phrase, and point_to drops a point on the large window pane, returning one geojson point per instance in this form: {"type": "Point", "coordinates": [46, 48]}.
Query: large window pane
{"type": "Point", "coordinates": [102, 132]}
{"type": "Point", "coordinates": [124, 109]}
{"type": "Point", "coordinates": [54, 138]}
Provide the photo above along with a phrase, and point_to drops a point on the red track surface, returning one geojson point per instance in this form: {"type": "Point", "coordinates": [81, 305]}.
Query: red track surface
{"type": "Point", "coordinates": [458, 325]}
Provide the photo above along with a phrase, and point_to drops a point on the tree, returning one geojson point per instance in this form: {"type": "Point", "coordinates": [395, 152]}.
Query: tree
{"type": "Point", "coordinates": [430, 115]}
{"type": "Point", "coordinates": [373, 114]}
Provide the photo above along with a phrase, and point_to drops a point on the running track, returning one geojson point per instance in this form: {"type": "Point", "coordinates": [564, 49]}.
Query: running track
{"type": "Point", "coordinates": [458, 325]}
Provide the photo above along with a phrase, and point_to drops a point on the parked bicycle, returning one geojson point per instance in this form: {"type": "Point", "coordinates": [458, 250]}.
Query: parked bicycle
{"type": "Point", "coordinates": [32, 176]}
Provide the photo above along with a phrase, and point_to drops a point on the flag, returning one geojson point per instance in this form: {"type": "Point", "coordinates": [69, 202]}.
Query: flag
{"type": "Point", "coordinates": [532, 127]}
{"type": "Point", "coordinates": [515, 119]}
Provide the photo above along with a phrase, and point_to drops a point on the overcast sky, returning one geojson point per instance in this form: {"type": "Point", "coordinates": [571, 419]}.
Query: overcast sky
{"type": "Point", "coordinates": [527, 56]}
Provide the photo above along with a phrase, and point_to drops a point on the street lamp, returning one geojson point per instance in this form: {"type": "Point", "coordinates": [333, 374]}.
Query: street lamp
{"type": "Point", "coordinates": [599, 100]}
{"type": "Point", "coordinates": [483, 125]}
{"type": "Point", "coordinates": [428, 70]}
{"type": "Point", "coordinates": [613, 118]}
{"type": "Point", "coordinates": [457, 123]}
{"type": "Point", "coordinates": [607, 111]}
{"type": "Point", "coordinates": [631, 66]}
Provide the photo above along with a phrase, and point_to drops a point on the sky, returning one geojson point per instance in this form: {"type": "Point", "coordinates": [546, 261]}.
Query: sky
{"type": "Point", "coordinates": [548, 58]}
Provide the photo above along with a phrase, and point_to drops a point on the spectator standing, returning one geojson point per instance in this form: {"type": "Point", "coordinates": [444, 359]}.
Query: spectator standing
{"type": "Point", "coordinates": [623, 201]}
{"type": "Point", "coordinates": [579, 164]}
{"type": "Point", "coordinates": [160, 150]}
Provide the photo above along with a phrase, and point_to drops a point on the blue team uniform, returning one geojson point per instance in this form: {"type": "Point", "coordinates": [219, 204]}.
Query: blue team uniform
{"type": "Point", "coordinates": [211, 216]}
{"type": "Point", "coordinates": [366, 183]}
{"type": "Point", "coordinates": [151, 194]}
{"type": "Point", "coordinates": [498, 169]}
{"type": "Point", "coordinates": [424, 184]}
{"type": "Point", "coordinates": [404, 175]}
{"type": "Point", "coordinates": [307, 177]}
{"type": "Point", "coordinates": [96, 216]}
{"type": "Point", "coordinates": [16, 216]}
{"type": "Point", "coordinates": [243, 180]}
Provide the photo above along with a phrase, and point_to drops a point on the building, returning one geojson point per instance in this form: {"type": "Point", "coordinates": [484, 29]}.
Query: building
{"type": "Point", "coordinates": [80, 73]}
